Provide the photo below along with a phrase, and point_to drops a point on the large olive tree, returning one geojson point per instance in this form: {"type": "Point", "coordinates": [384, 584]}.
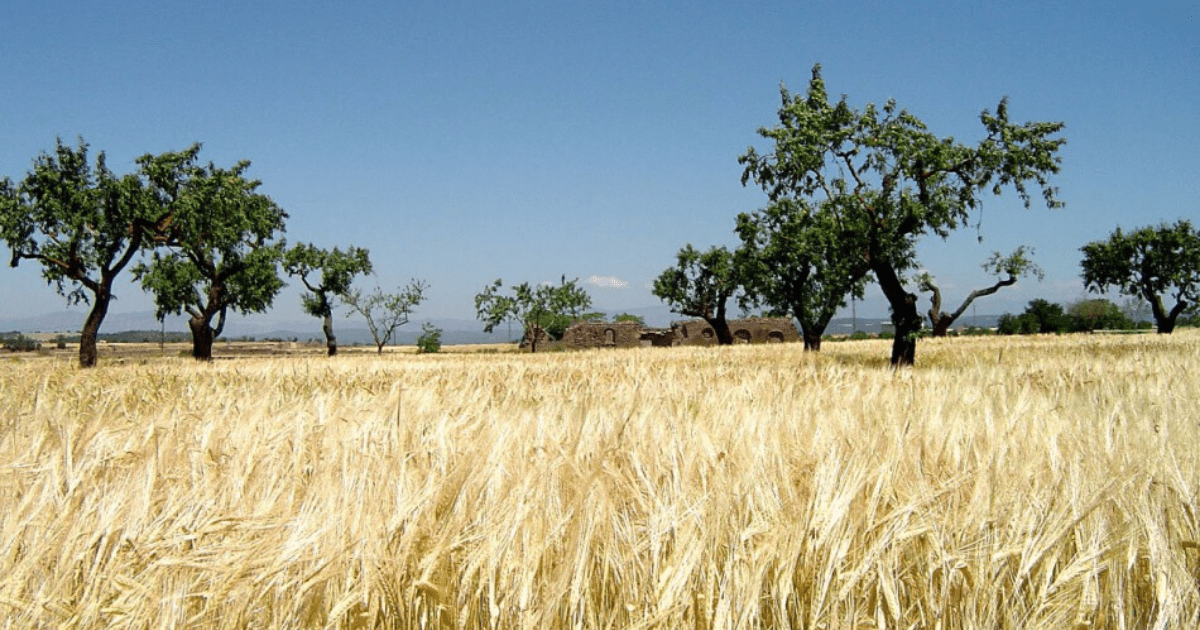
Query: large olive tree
{"type": "Point", "coordinates": [884, 180]}
{"type": "Point", "coordinates": [220, 250]}
{"type": "Point", "coordinates": [83, 224]}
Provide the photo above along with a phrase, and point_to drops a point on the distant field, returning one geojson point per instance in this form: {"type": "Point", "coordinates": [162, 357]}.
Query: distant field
{"type": "Point", "coordinates": [1035, 482]}
{"type": "Point", "coordinates": [232, 349]}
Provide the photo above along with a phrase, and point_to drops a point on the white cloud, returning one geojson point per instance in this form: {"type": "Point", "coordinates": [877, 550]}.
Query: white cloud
{"type": "Point", "coordinates": [607, 281]}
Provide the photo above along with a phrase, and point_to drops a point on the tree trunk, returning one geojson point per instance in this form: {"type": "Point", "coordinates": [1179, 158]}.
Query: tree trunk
{"type": "Point", "coordinates": [1164, 321]}
{"type": "Point", "coordinates": [941, 325]}
{"type": "Point", "coordinates": [330, 340]}
{"type": "Point", "coordinates": [905, 317]}
{"type": "Point", "coordinates": [720, 326]}
{"type": "Point", "coordinates": [91, 327]}
{"type": "Point", "coordinates": [202, 339]}
{"type": "Point", "coordinates": [812, 340]}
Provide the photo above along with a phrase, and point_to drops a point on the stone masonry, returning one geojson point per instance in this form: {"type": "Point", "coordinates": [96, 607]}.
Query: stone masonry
{"type": "Point", "coordinates": [695, 332]}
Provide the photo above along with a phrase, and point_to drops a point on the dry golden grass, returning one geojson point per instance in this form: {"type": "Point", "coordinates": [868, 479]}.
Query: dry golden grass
{"type": "Point", "coordinates": [1012, 483]}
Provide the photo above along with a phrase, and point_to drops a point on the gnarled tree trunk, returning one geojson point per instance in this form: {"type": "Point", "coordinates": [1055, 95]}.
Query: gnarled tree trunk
{"type": "Point", "coordinates": [88, 354]}
{"type": "Point", "coordinates": [330, 340]}
{"type": "Point", "coordinates": [202, 338]}
{"type": "Point", "coordinates": [905, 317]}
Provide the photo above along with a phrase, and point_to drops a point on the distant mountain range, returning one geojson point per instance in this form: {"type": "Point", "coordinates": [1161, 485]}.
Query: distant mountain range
{"type": "Point", "coordinates": [351, 331]}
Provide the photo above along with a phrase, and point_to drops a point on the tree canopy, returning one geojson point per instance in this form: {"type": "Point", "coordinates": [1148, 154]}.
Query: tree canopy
{"type": "Point", "coordinates": [792, 264]}
{"type": "Point", "coordinates": [327, 274]}
{"type": "Point", "coordinates": [699, 285]}
{"type": "Point", "coordinates": [883, 180]}
{"type": "Point", "coordinates": [1149, 263]}
{"type": "Point", "coordinates": [83, 224]}
{"type": "Point", "coordinates": [532, 305]}
{"type": "Point", "coordinates": [219, 250]}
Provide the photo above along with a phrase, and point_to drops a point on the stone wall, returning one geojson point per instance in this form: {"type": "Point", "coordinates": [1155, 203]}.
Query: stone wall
{"type": "Point", "coordinates": [601, 335]}
{"type": "Point", "coordinates": [695, 332]}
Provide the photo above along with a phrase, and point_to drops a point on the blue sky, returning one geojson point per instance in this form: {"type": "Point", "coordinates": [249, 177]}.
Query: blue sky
{"type": "Point", "coordinates": [464, 141]}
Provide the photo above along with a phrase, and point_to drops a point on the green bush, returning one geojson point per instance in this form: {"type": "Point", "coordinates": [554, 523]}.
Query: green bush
{"type": "Point", "coordinates": [430, 340]}
{"type": "Point", "coordinates": [21, 343]}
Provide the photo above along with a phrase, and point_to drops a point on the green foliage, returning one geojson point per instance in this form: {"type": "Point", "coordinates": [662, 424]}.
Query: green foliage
{"type": "Point", "coordinates": [1097, 314]}
{"type": "Point", "coordinates": [1040, 316]}
{"type": "Point", "coordinates": [218, 251]}
{"type": "Point", "coordinates": [700, 283]}
{"type": "Point", "coordinates": [626, 317]}
{"type": "Point", "coordinates": [881, 180]}
{"type": "Point", "coordinates": [21, 343]}
{"type": "Point", "coordinates": [430, 340]}
{"type": "Point", "coordinates": [534, 306]}
{"type": "Point", "coordinates": [336, 271]}
{"type": "Point", "coordinates": [556, 324]}
{"type": "Point", "coordinates": [82, 224]}
{"type": "Point", "coordinates": [794, 262]}
{"type": "Point", "coordinates": [1149, 263]}
{"type": "Point", "coordinates": [385, 312]}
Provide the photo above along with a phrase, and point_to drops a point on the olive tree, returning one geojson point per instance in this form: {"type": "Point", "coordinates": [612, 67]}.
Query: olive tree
{"type": "Point", "coordinates": [83, 224]}
{"type": "Point", "coordinates": [699, 285]}
{"type": "Point", "coordinates": [1149, 263]}
{"type": "Point", "coordinates": [327, 274]}
{"type": "Point", "coordinates": [531, 305]}
{"type": "Point", "coordinates": [385, 312]}
{"type": "Point", "coordinates": [1013, 266]}
{"type": "Point", "coordinates": [884, 180]}
{"type": "Point", "coordinates": [219, 251]}
{"type": "Point", "coordinates": [793, 265]}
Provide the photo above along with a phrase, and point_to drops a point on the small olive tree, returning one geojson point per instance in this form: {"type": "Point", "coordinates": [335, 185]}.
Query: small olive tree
{"type": "Point", "coordinates": [1013, 266]}
{"type": "Point", "coordinates": [700, 285]}
{"type": "Point", "coordinates": [327, 274]}
{"type": "Point", "coordinates": [532, 305]}
{"type": "Point", "coordinates": [385, 312]}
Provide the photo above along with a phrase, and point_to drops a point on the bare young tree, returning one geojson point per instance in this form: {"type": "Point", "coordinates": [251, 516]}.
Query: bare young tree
{"type": "Point", "coordinates": [385, 312]}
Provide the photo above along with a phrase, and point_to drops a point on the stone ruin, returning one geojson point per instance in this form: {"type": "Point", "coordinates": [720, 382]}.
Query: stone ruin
{"type": "Point", "coordinates": [694, 332]}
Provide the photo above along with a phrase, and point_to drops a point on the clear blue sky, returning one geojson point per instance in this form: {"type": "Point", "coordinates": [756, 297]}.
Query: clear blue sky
{"type": "Point", "coordinates": [465, 141]}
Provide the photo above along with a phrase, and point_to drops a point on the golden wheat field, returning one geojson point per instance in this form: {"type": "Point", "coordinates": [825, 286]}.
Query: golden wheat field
{"type": "Point", "coordinates": [1043, 482]}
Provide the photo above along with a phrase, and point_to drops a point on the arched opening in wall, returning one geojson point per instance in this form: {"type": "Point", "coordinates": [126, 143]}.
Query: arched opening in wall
{"type": "Point", "coordinates": [610, 337]}
{"type": "Point", "coordinates": [774, 337]}
{"type": "Point", "coordinates": [741, 336]}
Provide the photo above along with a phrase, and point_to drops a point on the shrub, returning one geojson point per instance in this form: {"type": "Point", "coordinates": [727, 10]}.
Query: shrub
{"type": "Point", "coordinates": [430, 339]}
{"type": "Point", "coordinates": [21, 343]}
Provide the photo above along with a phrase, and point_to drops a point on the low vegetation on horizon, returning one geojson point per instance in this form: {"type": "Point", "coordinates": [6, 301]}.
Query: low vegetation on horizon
{"type": "Point", "coordinates": [1033, 482]}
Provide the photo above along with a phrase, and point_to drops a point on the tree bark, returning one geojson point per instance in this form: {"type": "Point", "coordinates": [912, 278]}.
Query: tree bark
{"type": "Point", "coordinates": [91, 328]}
{"type": "Point", "coordinates": [812, 340]}
{"type": "Point", "coordinates": [905, 317]}
{"type": "Point", "coordinates": [1164, 321]}
{"type": "Point", "coordinates": [202, 338]}
{"type": "Point", "coordinates": [330, 340]}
